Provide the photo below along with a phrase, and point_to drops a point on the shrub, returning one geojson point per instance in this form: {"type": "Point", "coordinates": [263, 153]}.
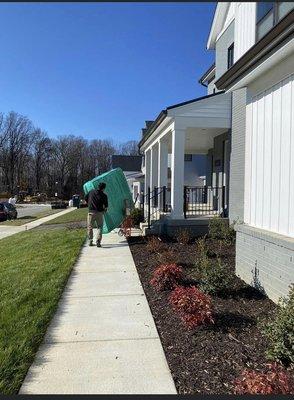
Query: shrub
{"type": "Point", "coordinates": [137, 216]}
{"type": "Point", "coordinates": [154, 245]}
{"type": "Point", "coordinates": [166, 277]}
{"type": "Point", "coordinates": [193, 306]}
{"type": "Point", "coordinates": [280, 331]}
{"type": "Point", "coordinates": [183, 236]}
{"type": "Point", "coordinates": [168, 257]}
{"type": "Point", "coordinates": [201, 247]}
{"type": "Point", "coordinates": [275, 380]}
{"type": "Point", "coordinates": [219, 228]}
{"type": "Point", "coordinates": [215, 277]}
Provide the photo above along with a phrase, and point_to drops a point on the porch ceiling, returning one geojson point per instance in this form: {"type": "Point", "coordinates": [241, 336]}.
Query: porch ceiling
{"type": "Point", "coordinates": [198, 140]}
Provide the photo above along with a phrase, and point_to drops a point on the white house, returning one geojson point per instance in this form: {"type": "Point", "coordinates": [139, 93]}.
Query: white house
{"type": "Point", "coordinates": [260, 79]}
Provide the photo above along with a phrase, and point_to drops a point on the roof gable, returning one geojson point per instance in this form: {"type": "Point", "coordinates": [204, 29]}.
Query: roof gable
{"type": "Point", "coordinates": [223, 16]}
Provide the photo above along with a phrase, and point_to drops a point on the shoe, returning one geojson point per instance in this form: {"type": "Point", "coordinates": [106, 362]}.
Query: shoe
{"type": "Point", "coordinates": [98, 243]}
{"type": "Point", "coordinates": [91, 243]}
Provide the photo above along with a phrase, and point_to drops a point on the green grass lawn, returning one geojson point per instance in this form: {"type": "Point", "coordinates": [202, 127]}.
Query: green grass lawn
{"type": "Point", "coordinates": [34, 269]}
{"type": "Point", "coordinates": [77, 215]}
{"type": "Point", "coordinates": [29, 218]}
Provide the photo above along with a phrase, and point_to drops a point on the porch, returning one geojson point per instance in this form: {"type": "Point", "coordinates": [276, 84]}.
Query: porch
{"type": "Point", "coordinates": [196, 127]}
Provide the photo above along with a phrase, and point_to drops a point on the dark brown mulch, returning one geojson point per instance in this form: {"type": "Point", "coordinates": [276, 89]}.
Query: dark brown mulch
{"type": "Point", "coordinates": [207, 359]}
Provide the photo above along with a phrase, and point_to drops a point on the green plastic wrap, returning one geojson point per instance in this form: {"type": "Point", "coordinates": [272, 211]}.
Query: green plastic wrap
{"type": "Point", "coordinates": [118, 193]}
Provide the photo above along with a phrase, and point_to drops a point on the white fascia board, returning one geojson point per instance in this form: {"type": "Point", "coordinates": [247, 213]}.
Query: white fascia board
{"type": "Point", "coordinates": [210, 75]}
{"type": "Point", "coordinates": [217, 24]}
{"type": "Point", "coordinates": [262, 68]}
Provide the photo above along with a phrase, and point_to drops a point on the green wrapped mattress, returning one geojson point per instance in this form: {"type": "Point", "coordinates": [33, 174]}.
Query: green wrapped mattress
{"type": "Point", "coordinates": [119, 196]}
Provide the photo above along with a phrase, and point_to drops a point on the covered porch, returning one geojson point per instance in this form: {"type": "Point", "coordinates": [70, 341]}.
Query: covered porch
{"type": "Point", "coordinates": [184, 129]}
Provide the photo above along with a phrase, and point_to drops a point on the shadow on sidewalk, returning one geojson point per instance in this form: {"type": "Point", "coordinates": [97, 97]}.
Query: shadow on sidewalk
{"type": "Point", "coordinates": [111, 246]}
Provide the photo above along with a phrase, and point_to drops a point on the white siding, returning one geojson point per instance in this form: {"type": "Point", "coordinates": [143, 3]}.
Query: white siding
{"type": "Point", "coordinates": [244, 28]}
{"type": "Point", "coordinates": [269, 193]}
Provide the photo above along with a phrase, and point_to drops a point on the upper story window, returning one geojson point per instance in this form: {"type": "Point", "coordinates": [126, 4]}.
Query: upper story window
{"type": "Point", "coordinates": [230, 55]}
{"type": "Point", "coordinates": [268, 14]}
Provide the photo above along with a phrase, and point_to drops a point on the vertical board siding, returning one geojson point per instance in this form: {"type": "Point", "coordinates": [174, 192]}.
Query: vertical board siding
{"type": "Point", "coordinates": [270, 166]}
{"type": "Point", "coordinates": [291, 176]}
{"type": "Point", "coordinates": [244, 28]}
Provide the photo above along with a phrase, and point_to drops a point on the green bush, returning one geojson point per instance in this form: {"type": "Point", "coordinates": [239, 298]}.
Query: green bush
{"type": "Point", "coordinates": [280, 331]}
{"type": "Point", "coordinates": [219, 228]}
{"type": "Point", "coordinates": [215, 277]}
{"type": "Point", "coordinates": [183, 236]}
{"type": "Point", "coordinates": [137, 216]}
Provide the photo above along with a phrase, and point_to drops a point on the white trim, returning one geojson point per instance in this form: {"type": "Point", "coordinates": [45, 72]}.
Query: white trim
{"type": "Point", "coordinates": [262, 68]}
{"type": "Point", "coordinates": [217, 24]}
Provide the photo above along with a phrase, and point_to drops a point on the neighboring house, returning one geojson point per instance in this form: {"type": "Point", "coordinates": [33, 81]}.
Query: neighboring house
{"type": "Point", "coordinates": [259, 39]}
{"type": "Point", "coordinates": [131, 166]}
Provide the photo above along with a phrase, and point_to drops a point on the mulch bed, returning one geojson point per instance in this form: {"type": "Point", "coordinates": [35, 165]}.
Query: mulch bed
{"type": "Point", "coordinates": [207, 359]}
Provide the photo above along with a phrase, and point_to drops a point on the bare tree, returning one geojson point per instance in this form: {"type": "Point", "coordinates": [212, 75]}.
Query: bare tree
{"type": "Point", "coordinates": [129, 148]}
{"type": "Point", "coordinates": [17, 131]}
{"type": "Point", "coordinates": [29, 158]}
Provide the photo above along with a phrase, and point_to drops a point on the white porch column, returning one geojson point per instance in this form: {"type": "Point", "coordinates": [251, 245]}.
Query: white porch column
{"type": "Point", "coordinates": [154, 166]}
{"type": "Point", "coordinates": [147, 169]}
{"type": "Point", "coordinates": [177, 172]}
{"type": "Point", "coordinates": [163, 162]}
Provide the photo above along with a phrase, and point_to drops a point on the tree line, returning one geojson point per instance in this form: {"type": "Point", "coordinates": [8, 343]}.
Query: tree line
{"type": "Point", "coordinates": [32, 161]}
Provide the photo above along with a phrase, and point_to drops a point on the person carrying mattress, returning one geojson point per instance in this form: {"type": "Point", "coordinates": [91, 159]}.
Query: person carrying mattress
{"type": "Point", "coordinates": [97, 203]}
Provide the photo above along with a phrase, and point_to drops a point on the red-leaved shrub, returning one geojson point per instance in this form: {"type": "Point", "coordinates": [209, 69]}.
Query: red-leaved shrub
{"type": "Point", "coordinates": [193, 306]}
{"type": "Point", "coordinates": [166, 276]}
{"type": "Point", "coordinates": [274, 380]}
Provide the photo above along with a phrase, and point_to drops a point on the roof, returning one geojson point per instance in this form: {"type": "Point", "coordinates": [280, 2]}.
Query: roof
{"type": "Point", "coordinates": [274, 39]}
{"type": "Point", "coordinates": [161, 116]}
{"type": "Point", "coordinates": [207, 74]}
{"type": "Point", "coordinates": [127, 163]}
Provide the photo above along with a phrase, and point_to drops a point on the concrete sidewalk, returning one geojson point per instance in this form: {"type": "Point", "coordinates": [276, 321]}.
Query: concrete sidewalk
{"type": "Point", "coordinates": [103, 339]}
{"type": "Point", "coordinates": [11, 230]}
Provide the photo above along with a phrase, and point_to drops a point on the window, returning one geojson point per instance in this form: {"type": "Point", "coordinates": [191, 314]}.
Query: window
{"type": "Point", "coordinates": [230, 55]}
{"type": "Point", "coordinates": [263, 8]}
{"type": "Point", "coordinates": [188, 157]}
{"type": "Point", "coordinates": [269, 14]}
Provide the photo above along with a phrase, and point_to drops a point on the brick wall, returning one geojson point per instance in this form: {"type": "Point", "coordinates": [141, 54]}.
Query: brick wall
{"type": "Point", "coordinates": [265, 260]}
{"type": "Point", "coordinates": [237, 161]}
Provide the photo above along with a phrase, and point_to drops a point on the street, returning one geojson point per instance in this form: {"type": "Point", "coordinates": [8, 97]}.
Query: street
{"type": "Point", "coordinates": [24, 210]}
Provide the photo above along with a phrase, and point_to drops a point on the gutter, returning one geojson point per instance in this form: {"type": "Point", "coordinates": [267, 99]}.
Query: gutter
{"type": "Point", "coordinates": [205, 75]}
{"type": "Point", "coordinates": [274, 39]}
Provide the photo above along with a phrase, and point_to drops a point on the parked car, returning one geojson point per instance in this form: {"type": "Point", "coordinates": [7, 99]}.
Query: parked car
{"type": "Point", "coordinates": [7, 211]}
{"type": "Point", "coordinates": [3, 215]}
{"type": "Point", "coordinates": [10, 210]}
{"type": "Point", "coordinates": [58, 204]}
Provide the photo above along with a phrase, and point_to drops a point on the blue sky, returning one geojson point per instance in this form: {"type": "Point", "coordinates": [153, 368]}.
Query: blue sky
{"type": "Point", "coordinates": [101, 69]}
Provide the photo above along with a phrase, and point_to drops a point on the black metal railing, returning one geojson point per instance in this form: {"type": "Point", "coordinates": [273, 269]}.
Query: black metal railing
{"type": "Point", "coordinates": [155, 202]}
{"type": "Point", "coordinates": [197, 201]}
{"type": "Point", "coordinates": [204, 200]}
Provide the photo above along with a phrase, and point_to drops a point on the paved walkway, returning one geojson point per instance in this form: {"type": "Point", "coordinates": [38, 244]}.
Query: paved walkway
{"type": "Point", "coordinates": [103, 339]}
{"type": "Point", "coordinates": [6, 230]}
